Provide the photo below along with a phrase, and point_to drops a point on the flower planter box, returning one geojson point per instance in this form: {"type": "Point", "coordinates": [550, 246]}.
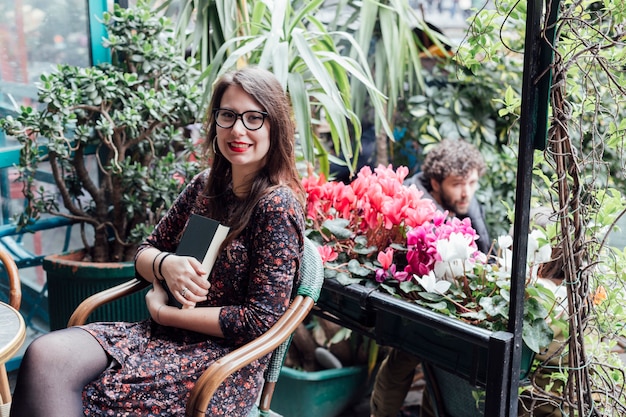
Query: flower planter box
{"type": "Point", "coordinates": [348, 302]}
{"type": "Point", "coordinates": [321, 394]}
{"type": "Point", "coordinates": [477, 357]}
{"type": "Point", "coordinates": [445, 342]}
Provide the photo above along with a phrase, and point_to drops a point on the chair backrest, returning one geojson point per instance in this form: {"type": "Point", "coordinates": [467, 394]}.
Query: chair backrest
{"type": "Point", "coordinates": [311, 280]}
{"type": "Point", "coordinates": [311, 271]}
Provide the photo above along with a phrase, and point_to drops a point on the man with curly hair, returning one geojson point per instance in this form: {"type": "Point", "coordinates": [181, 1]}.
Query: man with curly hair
{"type": "Point", "coordinates": [449, 177]}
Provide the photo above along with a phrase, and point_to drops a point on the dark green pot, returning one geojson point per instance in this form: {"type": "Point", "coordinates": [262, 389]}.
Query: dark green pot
{"type": "Point", "coordinates": [70, 281]}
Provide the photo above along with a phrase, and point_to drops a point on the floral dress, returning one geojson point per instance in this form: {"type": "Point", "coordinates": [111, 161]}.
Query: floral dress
{"type": "Point", "coordinates": [154, 367]}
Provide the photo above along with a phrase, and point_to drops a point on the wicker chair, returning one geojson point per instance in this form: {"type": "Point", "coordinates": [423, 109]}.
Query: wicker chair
{"type": "Point", "coordinates": [275, 340]}
{"type": "Point", "coordinates": [15, 300]}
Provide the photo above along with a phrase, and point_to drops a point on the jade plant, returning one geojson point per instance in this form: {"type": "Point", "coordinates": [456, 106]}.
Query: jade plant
{"type": "Point", "coordinates": [114, 136]}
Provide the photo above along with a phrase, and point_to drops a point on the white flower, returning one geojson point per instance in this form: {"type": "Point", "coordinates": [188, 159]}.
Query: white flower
{"type": "Point", "coordinates": [457, 246]}
{"type": "Point", "coordinates": [449, 270]}
{"type": "Point", "coordinates": [539, 250]}
{"type": "Point", "coordinates": [560, 294]}
{"type": "Point", "coordinates": [505, 241]}
{"type": "Point", "coordinates": [506, 261]}
{"type": "Point", "coordinates": [431, 284]}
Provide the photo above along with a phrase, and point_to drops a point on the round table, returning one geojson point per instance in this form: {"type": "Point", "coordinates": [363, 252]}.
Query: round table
{"type": "Point", "coordinates": [12, 336]}
{"type": "Point", "coordinates": [12, 332]}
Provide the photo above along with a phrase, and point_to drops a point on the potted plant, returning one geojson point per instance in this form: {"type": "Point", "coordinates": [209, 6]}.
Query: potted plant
{"type": "Point", "coordinates": [326, 368]}
{"type": "Point", "coordinates": [113, 136]}
{"type": "Point", "coordinates": [378, 237]}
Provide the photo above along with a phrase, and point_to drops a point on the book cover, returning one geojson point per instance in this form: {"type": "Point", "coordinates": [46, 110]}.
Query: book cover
{"type": "Point", "coordinates": [201, 239]}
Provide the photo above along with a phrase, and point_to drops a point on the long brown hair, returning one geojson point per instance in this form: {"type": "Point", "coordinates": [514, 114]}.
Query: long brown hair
{"type": "Point", "coordinates": [280, 166]}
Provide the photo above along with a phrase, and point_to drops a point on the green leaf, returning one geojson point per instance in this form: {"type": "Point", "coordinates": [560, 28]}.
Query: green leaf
{"type": "Point", "coordinates": [495, 306]}
{"type": "Point", "coordinates": [357, 269]}
{"type": "Point", "coordinates": [431, 296]}
{"type": "Point", "coordinates": [537, 334]}
{"type": "Point", "coordinates": [338, 228]}
{"type": "Point", "coordinates": [346, 279]}
{"type": "Point", "coordinates": [409, 286]}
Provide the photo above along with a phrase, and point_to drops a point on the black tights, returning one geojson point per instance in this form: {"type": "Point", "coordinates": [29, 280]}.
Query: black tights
{"type": "Point", "coordinates": [53, 373]}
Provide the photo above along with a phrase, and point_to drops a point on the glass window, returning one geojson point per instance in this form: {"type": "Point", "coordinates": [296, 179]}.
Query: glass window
{"type": "Point", "coordinates": [35, 35]}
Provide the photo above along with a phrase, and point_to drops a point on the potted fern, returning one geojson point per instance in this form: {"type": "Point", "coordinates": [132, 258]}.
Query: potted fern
{"type": "Point", "coordinates": [114, 139]}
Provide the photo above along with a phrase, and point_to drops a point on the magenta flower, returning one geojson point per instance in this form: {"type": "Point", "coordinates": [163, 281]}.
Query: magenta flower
{"type": "Point", "coordinates": [423, 242]}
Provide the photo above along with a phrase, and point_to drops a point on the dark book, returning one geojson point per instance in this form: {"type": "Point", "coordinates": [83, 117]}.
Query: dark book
{"type": "Point", "coordinates": [201, 239]}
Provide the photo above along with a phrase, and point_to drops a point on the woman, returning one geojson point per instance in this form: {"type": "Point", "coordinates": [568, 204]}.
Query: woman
{"type": "Point", "coordinates": [148, 368]}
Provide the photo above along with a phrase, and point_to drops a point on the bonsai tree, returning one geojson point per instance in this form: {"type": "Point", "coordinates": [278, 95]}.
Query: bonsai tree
{"type": "Point", "coordinates": [113, 136]}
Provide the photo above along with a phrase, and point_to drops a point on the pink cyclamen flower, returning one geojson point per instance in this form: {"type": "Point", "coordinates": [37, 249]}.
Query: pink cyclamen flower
{"type": "Point", "coordinates": [327, 253]}
{"type": "Point", "coordinates": [379, 211]}
{"type": "Point", "coordinates": [388, 268]}
{"type": "Point", "coordinates": [385, 258]}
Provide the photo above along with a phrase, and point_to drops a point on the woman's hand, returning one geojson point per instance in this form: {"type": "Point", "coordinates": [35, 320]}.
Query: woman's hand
{"type": "Point", "coordinates": [186, 279]}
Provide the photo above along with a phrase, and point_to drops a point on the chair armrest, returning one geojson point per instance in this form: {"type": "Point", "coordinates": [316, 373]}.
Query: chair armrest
{"type": "Point", "coordinates": [215, 374]}
{"type": "Point", "coordinates": [90, 304]}
{"type": "Point", "coordinates": [15, 288]}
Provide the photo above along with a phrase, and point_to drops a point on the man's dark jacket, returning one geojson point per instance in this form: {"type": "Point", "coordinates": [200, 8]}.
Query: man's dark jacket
{"type": "Point", "coordinates": [475, 212]}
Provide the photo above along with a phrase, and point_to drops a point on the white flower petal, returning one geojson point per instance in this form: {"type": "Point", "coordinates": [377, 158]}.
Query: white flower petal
{"type": "Point", "coordinates": [428, 282]}
{"type": "Point", "coordinates": [442, 286]}
{"type": "Point", "coordinates": [431, 284]}
{"type": "Point", "coordinates": [505, 241]}
{"type": "Point", "coordinates": [506, 261]}
{"type": "Point", "coordinates": [449, 270]}
{"type": "Point", "coordinates": [457, 246]}
{"type": "Point", "coordinates": [544, 254]}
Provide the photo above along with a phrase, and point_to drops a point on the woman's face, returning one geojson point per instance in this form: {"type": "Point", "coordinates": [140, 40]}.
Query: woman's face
{"type": "Point", "coordinates": [245, 149]}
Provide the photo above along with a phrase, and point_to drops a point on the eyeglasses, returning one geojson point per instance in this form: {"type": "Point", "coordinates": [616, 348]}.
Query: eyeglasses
{"type": "Point", "coordinates": [251, 119]}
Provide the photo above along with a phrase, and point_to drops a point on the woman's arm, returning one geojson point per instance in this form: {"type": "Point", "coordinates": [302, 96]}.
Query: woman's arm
{"type": "Point", "coordinates": [274, 254]}
{"type": "Point", "coordinates": [275, 240]}
{"type": "Point", "coordinates": [202, 320]}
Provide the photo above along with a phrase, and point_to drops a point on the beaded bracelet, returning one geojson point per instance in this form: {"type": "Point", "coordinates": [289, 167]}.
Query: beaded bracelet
{"type": "Point", "coordinates": [161, 265]}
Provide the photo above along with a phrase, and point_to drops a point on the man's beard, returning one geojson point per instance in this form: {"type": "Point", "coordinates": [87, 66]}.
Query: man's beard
{"type": "Point", "coordinates": [448, 204]}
